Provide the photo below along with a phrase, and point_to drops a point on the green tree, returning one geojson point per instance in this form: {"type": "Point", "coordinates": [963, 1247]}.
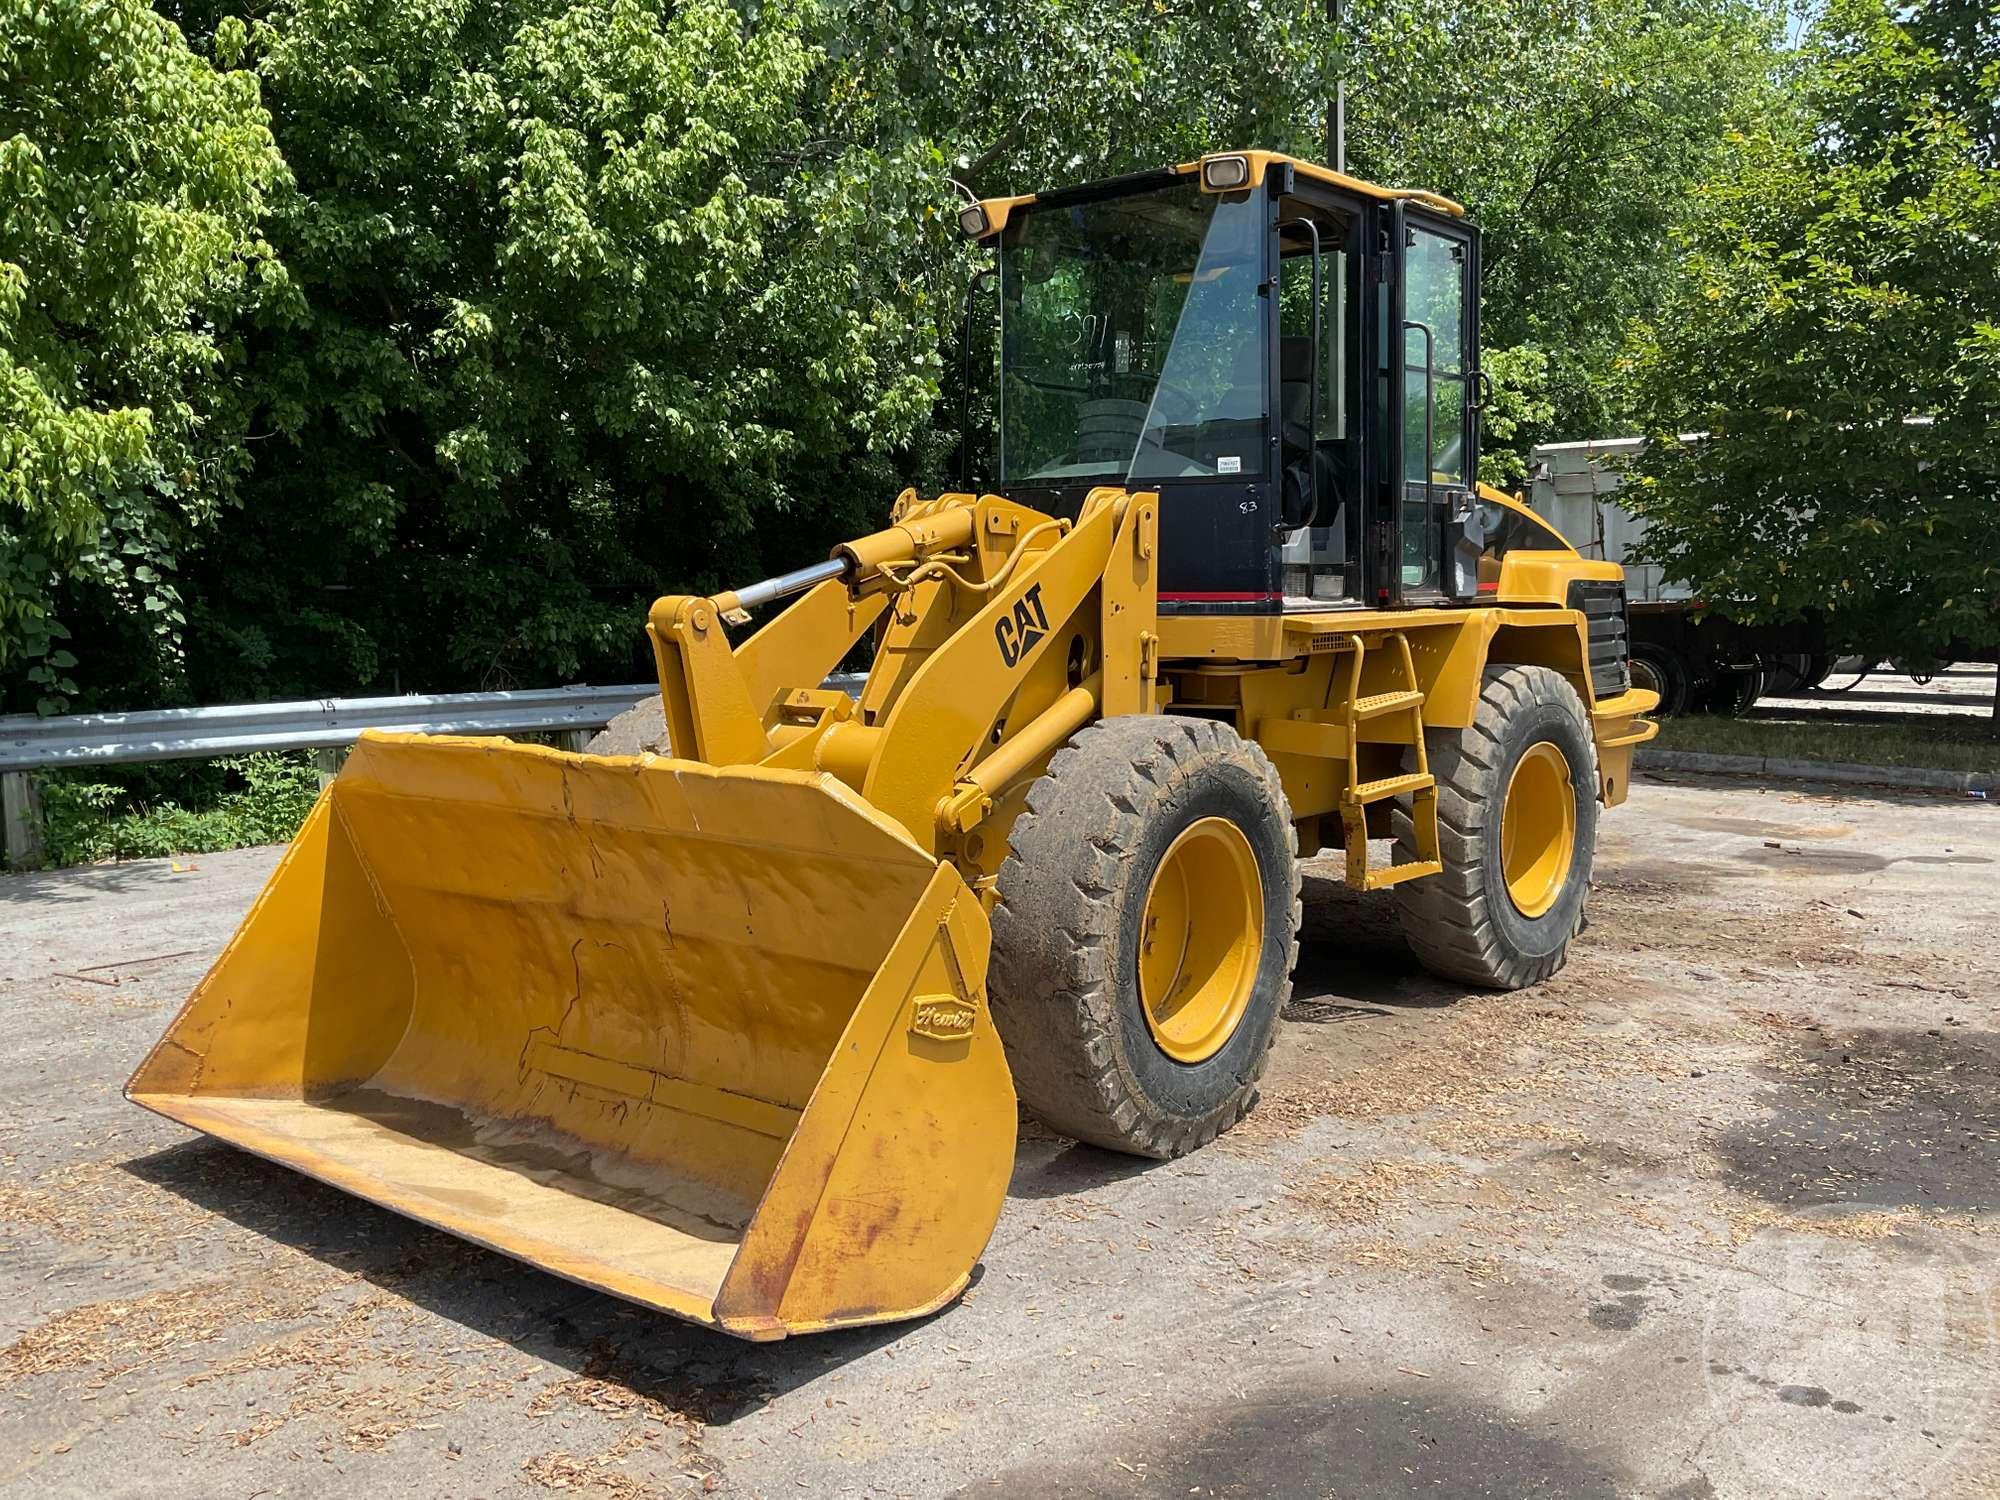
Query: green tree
{"type": "Point", "coordinates": [132, 178]}
{"type": "Point", "coordinates": [597, 302]}
{"type": "Point", "coordinates": [1836, 345]}
{"type": "Point", "coordinates": [1034, 94]}
{"type": "Point", "coordinates": [595, 298]}
{"type": "Point", "coordinates": [609, 297]}
{"type": "Point", "coordinates": [1577, 134]}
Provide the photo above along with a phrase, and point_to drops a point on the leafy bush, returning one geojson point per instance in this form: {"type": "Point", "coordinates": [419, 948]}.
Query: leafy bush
{"type": "Point", "coordinates": [262, 799]}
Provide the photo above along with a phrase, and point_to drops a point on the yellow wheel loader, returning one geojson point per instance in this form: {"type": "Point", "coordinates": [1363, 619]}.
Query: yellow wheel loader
{"type": "Point", "coordinates": [738, 1032]}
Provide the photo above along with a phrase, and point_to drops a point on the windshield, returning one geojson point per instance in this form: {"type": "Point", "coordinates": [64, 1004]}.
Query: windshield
{"type": "Point", "coordinates": [1132, 339]}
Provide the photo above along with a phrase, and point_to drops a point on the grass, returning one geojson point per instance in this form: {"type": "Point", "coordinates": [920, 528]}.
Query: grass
{"type": "Point", "coordinates": [1938, 742]}
{"type": "Point", "coordinates": [156, 809]}
{"type": "Point", "coordinates": [184, 807]}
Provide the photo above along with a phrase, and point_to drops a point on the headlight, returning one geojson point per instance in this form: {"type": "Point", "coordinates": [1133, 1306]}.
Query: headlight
{"type": "Point", "coordinates": [972, 219]}
{"type": "Point", "coordinates": [1219, 174]}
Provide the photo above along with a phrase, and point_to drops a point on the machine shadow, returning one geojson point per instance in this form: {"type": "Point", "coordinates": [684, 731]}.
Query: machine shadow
{"type": "Point", "coordinates": [704, 1375]}
{"type": "Point", "coordinates": [72, 885]}
{"type": "Point", "coordinates": [707, 1376]}
{"type": "Point", "coordinates": [1353, 961]}
{"type": "Point", "coordinates": [1052, 1166]}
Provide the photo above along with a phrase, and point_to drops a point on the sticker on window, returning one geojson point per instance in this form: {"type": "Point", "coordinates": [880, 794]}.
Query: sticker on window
{"type": "Point", "coordinates": [1229, 463]}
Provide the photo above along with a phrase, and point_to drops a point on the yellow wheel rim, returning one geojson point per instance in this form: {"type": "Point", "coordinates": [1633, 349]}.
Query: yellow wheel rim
{"type": "Point", "coordinates": [1200, 939]}
{"type": "Point", "coordinates": [1538, 829]}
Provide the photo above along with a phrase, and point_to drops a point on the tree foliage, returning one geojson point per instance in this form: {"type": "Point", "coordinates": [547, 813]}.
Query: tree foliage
{"type": "Point", "coordinates": [1577, 135]}
{"type": "Point", "coordinates": [583, 300]}
{"type": "Point", "coordinates": [1030, 95]}
{"type": "Point", "coordinates": [596, 303]}
{"type": "Point", "coordinates": [1835, 345]}
{"type": "Point", "coordinates": [133, 180]}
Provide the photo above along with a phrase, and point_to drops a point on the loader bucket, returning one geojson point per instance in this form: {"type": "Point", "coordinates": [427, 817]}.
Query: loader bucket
{"type": "Point", "coordinates": [714, 1040]}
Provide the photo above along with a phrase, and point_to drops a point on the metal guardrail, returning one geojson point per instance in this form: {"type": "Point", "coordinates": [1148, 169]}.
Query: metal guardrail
{"type": "Point", "coordinates": [28, 743]}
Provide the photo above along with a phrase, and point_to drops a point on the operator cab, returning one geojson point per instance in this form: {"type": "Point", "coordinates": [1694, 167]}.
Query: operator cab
{"type": "Point", "coordinates": [1286, 354]}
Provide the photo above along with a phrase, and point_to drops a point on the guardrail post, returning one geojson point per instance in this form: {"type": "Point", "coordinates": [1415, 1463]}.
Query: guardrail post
{"type": "Point", "coordinates": [20, 821]}
{"type": "Point", "coordinates": [327, 763]}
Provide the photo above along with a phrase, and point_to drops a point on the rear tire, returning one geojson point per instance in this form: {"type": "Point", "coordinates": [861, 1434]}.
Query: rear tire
{"type": "Point", "coordinates": [1787, 674]}
{"type": "Point", "coordinates": [1148, 907]}
{"type": "Point", "coordinates": [1497, 915]}
{"type": "Point", "coordinates": [1735, 691]}
{"type": "Point", "coordinates": [1660, 670]}
{"type": "Point", "coordinates": [1922, 670]}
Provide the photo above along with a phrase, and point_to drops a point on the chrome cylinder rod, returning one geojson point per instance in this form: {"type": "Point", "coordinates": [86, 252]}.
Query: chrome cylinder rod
{"type": "Point", "coordinates": [796, 582]}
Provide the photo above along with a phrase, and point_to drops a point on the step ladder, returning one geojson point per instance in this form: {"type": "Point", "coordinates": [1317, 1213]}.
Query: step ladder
{"type": "Point", "coordinates": [1406, 700]}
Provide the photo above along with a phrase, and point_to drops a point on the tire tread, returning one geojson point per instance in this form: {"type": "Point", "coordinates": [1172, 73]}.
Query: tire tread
{"type": "Point", "coordinates": [1053, 992]}
{"type": "Point", "coordinates": [1445, 918]}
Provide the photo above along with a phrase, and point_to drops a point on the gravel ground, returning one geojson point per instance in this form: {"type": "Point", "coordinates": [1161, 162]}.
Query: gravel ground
{"type": "Point", "coordinates": [1710, 1213]}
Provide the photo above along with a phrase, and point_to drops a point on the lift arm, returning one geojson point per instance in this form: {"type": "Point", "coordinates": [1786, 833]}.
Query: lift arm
{"type": "Point", "coordinates": [970, 597]}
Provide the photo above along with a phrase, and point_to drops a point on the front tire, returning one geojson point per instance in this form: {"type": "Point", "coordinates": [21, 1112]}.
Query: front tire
{"type": "Point", "coordinates": [1145, 933]}
{"type": "Point", "coordinates": [1786, 674]}
{"type": "Point", "coordinates": [1517, 829]}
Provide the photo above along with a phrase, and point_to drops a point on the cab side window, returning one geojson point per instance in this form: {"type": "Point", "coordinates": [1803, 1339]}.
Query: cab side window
{"type": "Point", "coordinates": [1313, 408]}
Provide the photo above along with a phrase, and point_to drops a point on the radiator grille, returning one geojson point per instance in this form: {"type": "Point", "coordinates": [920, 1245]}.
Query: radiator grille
{"type": "Point", "coordinates": [1603, 606]}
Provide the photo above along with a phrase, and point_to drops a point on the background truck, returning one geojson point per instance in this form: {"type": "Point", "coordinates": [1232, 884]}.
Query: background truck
{"type": "Point", "coordinates": [1693, 655]}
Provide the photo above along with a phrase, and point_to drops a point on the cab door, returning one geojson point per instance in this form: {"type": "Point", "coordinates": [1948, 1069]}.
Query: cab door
{"type": "Point", "coordinates": [1436, 309]}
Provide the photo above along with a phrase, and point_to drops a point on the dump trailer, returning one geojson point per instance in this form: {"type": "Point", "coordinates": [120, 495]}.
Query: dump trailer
{"type": "Point", "coordinates": [1690, 653]}
{"type": "Point", "coordinates": [740, 1032]}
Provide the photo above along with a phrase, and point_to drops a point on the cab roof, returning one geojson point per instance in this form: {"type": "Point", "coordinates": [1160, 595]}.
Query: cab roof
{"type": "Point", "coordinates": [1219, 171]}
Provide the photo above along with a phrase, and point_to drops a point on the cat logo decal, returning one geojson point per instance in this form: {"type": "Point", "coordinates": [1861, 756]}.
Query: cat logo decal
{"type": "Point", "coordinates": [1026, 625]}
